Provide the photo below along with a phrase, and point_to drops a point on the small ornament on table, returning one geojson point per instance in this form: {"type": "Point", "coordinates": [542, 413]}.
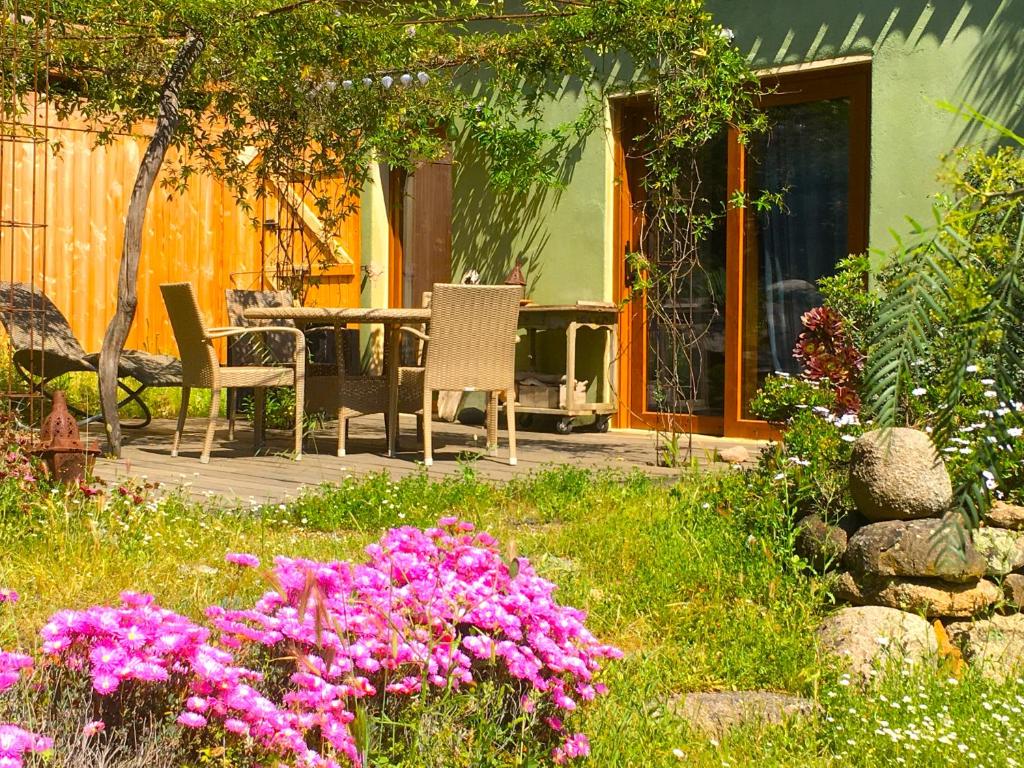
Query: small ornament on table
{"type": "Point", "coordinates": [516, 277]}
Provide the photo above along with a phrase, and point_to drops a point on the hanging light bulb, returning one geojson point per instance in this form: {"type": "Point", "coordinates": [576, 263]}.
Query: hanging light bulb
{"type": "Point", "coordinates": [387, 81]}
{"type": "Point", "coordinates": [406, 79]}
{"type": "Point", "coordinates": [367, 81]}
{"type": "Point", "coordinates": [346, 84]}
{"type": "Point", "coordinates": [423, 77]}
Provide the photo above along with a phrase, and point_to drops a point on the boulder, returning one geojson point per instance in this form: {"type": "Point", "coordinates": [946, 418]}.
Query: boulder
{"type": "Point", "coordinates": [995, 646]}
{"type": "Point", "coordinates": [1002, 549]}
{"type": "Point", "coordinates": [737, 454]}
{"type": "Point", "coordinates": [928, 596]}
{"type": "Point", "coordinates": [714, 714]}
{"type": "Point", "coordinates": [1003, 515]}
{"type": "Point", "coordinates": [913, 548]}
{"type": "Point", "coordinates": [896, 474]}
{"type": "Point", "coordinates": [869, 636]}
{"type": "Point", "coordinates": [822, 544]}
{"type": "Point", "coordinates": [1013, 590]}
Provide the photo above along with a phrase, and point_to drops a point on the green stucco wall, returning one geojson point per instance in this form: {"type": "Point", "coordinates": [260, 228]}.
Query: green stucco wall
{"type": "Point", "coordinates": [921, 53]}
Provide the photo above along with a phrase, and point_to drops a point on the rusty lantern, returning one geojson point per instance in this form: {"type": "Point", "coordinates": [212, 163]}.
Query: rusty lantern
{"type": "Point", "coordinates": [60, 444]}
{"type": "Point", "coordinates": [516, 277]}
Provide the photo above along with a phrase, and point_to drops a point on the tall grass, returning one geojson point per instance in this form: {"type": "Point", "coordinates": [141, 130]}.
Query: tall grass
{"type": "Point", "coordinates": [686, 580]}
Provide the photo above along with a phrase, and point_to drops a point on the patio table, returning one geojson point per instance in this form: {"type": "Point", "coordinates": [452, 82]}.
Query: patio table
{"type": "Point", "coordinates": [392, 319]}
{"type": "Point", "coordinates": [532, 317]}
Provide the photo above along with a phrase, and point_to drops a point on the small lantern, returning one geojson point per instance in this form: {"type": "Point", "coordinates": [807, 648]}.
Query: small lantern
{"type": "Point", "coordinates": [60, 444]}
{"type": "Point", "coordinates": [515, 277]}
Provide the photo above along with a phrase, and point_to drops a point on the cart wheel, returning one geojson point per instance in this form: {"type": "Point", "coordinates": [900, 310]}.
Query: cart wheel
{"type": "Point", "coordinates": [601, 423]}
{"type": "Point", "coordinates": [563, 426]}
{"type": "Point", "coordinates": [524, 420]}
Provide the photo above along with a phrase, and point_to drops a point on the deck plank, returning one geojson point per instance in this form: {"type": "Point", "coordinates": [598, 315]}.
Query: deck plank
{"type": "Point", "coordinates": [237, 475]}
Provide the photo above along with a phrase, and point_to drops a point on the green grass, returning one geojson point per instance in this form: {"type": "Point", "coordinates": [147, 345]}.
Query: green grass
{"type": "Point", "coordinates": [692, 582]}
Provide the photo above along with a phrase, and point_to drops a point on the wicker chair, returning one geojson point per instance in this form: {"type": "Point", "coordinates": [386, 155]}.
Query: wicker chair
{"type": "Point", "coordinates": [202, 369]}
{"type": "Point", "coordinates": [472, 346]}
{"type": "Point", "coordinates": [361, 394]}
{"type": "Point", "coordinates": [279, 348]}
{"type": "Point", "coordinates": [45, 347]}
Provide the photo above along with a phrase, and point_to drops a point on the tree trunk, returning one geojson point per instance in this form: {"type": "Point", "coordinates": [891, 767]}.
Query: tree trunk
{"type": "Point", "coordinates": [131, 249]}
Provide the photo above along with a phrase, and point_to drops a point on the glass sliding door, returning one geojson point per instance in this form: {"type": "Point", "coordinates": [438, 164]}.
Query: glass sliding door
{"type": "Point", "coordinates": [804, 159]}
{"type": "Point", "coordinates": [725, 311]}
{"type": "Point", "coordinates": [814, 158]}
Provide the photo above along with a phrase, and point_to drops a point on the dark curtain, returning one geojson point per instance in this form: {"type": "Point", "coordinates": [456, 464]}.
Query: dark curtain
{"type": "Point", "coordinates": [805, 157]}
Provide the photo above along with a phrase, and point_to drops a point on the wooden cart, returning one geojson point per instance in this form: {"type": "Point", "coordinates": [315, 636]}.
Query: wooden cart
{"type": "Point", "coordinates": [571, 318]}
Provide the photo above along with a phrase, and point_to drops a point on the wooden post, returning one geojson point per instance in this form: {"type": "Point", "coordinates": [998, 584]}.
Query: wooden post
{"type": "Point", "coordinates": [131, 249]}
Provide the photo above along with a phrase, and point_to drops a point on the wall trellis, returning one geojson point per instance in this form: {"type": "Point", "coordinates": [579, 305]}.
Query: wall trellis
{"type": "Point", "coordinates": [25, 152]}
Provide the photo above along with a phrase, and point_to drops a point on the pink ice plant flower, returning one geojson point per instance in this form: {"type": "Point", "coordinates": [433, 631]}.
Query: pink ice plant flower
{"type": "Point", "coordinates": [16, 742]}
{"type": "Point", "coordinates": [8, 595]}
{"type": "Point", "coordinates": [11, 667]}
{"type": "Point", "coordinates": [94, 727]}
{"type": "Point", "coordinates": [243, 559]}
{"type": "Point", "coordinates": [429, 609]}
{"type": "Point", "coordinates": [437, 607]}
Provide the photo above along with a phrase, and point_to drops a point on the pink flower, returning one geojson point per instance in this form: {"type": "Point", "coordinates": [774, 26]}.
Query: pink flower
{"type": "Point", "coordinates": [91, 729]}
{"type": "Point", "coordinates": [243, 559]}
{"type": "Point", "coordinates": [191, 720]}
{"type": "Point", "coordinates": [8, 596]}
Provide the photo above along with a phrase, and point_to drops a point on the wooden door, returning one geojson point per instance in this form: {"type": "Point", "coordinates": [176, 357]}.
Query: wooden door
{"type": "Point", "coordinates": [420, 217]}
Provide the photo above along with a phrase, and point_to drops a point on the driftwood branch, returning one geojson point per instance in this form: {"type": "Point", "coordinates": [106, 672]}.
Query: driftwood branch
{"type": "Point", "coordinates": [131, 250]}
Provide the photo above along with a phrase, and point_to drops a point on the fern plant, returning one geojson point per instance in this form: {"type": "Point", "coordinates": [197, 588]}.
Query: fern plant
{"type": "Point", "coordinates": [950, 324]}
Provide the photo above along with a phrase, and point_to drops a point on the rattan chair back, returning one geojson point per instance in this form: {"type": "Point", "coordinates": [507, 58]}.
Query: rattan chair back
{"type": "Point", "coordinates": [472, 337]}
{"type": "Point", "coordinates": [198, 357]}
{"type": "Point", "coordinates": [265, 348]}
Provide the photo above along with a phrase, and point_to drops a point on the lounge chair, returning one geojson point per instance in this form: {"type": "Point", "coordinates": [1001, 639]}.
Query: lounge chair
{"type": "Point", "coordinates": [44, 348]}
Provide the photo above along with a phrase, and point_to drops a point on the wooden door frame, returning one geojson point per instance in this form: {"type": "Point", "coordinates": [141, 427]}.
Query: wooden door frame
{"type": "Point", "coordinates": [851, 81]}
{"type": "Point", "coordinates": [396, 248]}
{"type": "Point", "coordinates": [633, 321]}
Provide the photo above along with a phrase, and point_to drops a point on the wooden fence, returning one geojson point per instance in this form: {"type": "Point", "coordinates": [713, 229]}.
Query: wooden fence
{"type": "Point", "coordinates": [202, 236]}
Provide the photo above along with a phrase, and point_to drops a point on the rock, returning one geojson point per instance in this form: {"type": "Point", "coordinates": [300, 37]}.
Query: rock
{"type": "Point", "coordinates": [870, 635]}
{"type": "Point", "coordinates": [1013, 589]}
{"type": "Point", "coordinates": [1002, 549]}
{"type": "Point", "coordinates": [913, 548]}
{"type": "Point", "coordinates": [735, 455]}
{"type": "Point", "coordinates": [995, 646]}
{"type": "Point", "coordinates": [1003, 515]}
{"type": "Point", "coordinates": [714, 714]}
{"type": "Point", "coordinates": [896, 474]}
{"type": "Point", "coordinates": [822, 544]}
{"type": "Point", "coordinates": [928, 596]}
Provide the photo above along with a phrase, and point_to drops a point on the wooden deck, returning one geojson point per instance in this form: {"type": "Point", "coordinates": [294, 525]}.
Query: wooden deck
{"type": "Point", "coordinates": [234, 472]}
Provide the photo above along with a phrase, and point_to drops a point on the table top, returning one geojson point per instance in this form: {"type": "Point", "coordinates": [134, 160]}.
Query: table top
{"type": "Point", "coordinates": [392, 315]}
{"type": "Point", "coordinates": [342, 314]}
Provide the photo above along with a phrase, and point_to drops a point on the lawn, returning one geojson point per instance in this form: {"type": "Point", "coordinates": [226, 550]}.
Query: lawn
{"type": "Point", "coordinates": [691, 582]}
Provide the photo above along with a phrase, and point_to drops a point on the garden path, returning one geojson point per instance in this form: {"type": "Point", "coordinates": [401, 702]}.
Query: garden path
{"type": "Point", "coordinates": [235, 473]}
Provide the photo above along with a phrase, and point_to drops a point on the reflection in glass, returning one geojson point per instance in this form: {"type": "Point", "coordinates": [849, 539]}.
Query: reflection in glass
{"type": "Point", "coordinates": [805, 157]}
{"type": "Point", "coordinates": [686, 304]}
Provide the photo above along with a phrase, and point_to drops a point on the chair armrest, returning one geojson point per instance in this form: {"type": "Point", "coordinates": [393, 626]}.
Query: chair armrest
{"type": "Point", "coordinates": [415, 332]}
{"type": "Point", "coordinates": [217, 333]}
{"type": "Point", "coordinates": [300, 339]}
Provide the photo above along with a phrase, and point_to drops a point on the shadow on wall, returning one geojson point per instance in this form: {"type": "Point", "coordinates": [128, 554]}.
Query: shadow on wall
{"type": "Point", "coordinates": [993, 83]}
{"type": "Point", "coordinates": [499, 227]}
{"type": "Point", "coordinates": [990, 80]}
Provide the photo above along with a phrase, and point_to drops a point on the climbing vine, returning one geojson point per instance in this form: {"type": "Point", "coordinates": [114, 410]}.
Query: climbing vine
{"type": "Point", "coordinates": [323, 89]}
